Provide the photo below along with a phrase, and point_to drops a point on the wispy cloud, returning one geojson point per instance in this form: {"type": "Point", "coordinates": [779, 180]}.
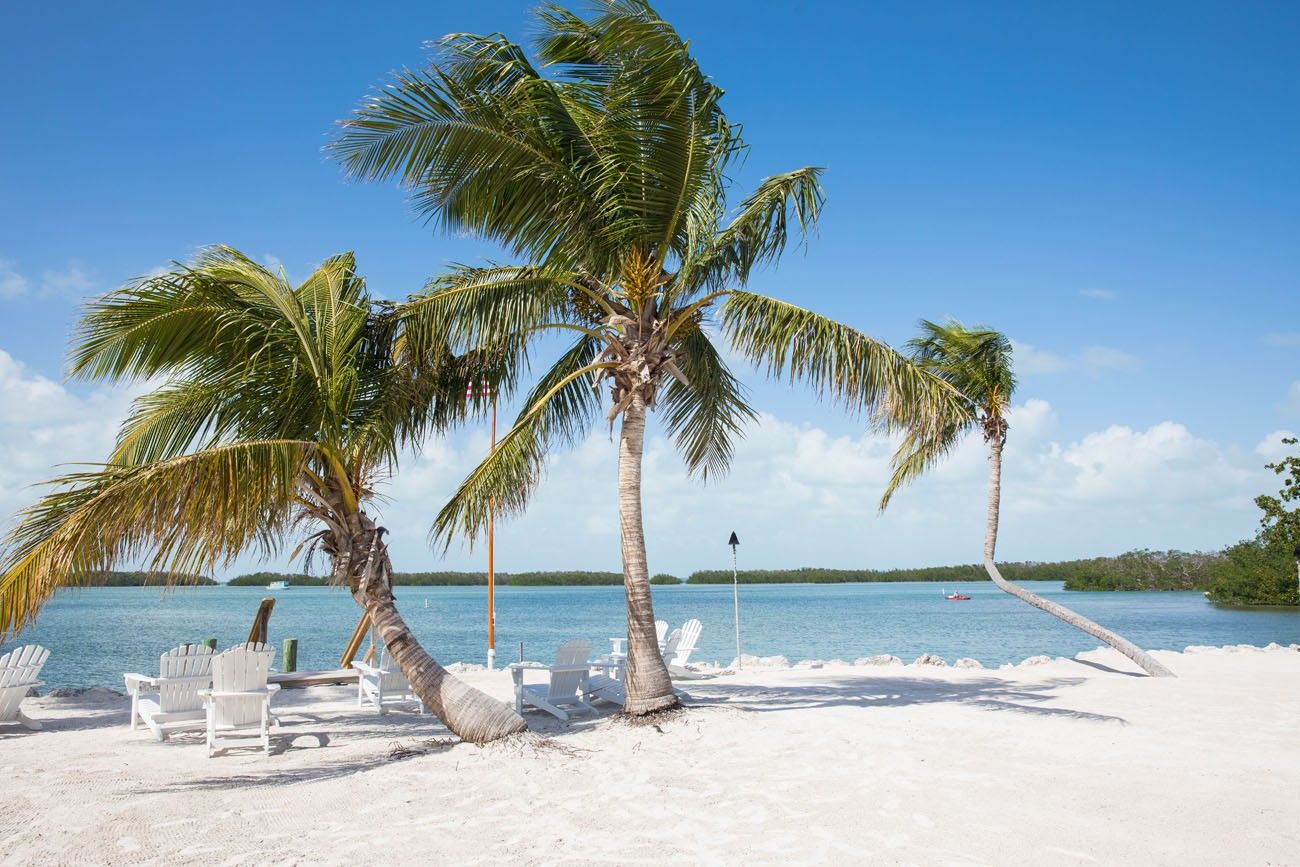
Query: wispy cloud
{"type": "Point", "coordinates": [1285, 339]}
{"type": "Point", "coordinates": [1099, 294]}
{"type": "Point", "coordinates": [12, 284]}
{"type": "Point", "coordinates": [1291, 403]}
{"type": "Point", "coordinates": [1031, 360]}
{"type": "Point", "coordinates": [72, 281]}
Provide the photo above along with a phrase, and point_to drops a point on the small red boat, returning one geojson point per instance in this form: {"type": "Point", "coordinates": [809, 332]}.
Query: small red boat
{"type": "Point", "coordinates": [957, 597]}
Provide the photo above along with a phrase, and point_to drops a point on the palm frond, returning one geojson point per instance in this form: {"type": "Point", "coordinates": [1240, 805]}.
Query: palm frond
{"type": "Point", "coordinates": [708, 414]}
{"type": "Point", "coordinates": [917, 454]}
{"type": "Point", "coordinates": [836, 361]}
{"type": "Point", "coordinates": [757, 235]}
{"type": "Point", "coordinates": [471, 308]}
{"type": "Point", "coordinates": [560, 408]}
{"type": "Point", "coordinates": [181, 516]}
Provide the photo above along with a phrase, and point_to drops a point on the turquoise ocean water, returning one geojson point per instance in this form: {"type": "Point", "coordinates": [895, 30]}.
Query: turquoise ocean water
{"type": "Point", "coordinates": [96, 634]}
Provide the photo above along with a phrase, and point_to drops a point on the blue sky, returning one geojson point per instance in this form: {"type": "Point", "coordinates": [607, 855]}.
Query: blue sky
{"type": "Point", "coordinates": [1114, 185]}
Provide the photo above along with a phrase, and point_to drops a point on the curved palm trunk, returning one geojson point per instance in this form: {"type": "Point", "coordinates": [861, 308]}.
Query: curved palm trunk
{"type": "Point", "coordinates": [647, 683]}
{"type": "Point", "coordinates": [471, 714]}
{"type": "Point", "coordinates": [1148, 663]}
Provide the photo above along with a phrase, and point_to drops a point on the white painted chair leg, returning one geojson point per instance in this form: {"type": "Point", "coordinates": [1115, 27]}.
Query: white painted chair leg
{"type": "Point", "coordinates": [28, 722]}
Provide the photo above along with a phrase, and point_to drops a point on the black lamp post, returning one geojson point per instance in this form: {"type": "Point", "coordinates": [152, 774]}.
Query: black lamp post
{"type": "Point", "coordinates": [735, 594]}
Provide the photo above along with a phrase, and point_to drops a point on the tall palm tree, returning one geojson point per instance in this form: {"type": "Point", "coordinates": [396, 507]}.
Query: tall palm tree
{"type": "Point", "coordinates": [977, 362]}
{"type": "Point", "coordinates": [280, 413]}
{"type": "Point", "coordinates": [609, 177]}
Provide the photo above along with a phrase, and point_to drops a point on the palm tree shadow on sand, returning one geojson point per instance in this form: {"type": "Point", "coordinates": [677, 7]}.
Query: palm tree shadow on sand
{"type": "Point", "coordinates": [985, 693]}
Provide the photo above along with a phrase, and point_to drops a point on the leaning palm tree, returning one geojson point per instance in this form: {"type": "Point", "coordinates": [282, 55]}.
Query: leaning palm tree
{"type": "Point", "coordinates": [977, 362]}
{"type": "Point", "coordinates": [280, 412]}
{"type": "Point", "coordinates": [605, 168]}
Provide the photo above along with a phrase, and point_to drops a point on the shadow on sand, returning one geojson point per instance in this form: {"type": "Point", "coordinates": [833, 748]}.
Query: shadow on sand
{"type": "Point", "coordinates": [985, 693]}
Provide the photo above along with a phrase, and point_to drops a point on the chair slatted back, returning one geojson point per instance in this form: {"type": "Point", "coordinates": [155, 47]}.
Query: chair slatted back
{"type": "Point", "coordinates": [670, 646]}
{"type": "Point", "coordinates": [188, 661]}
{"type": "Point", "coordinates": [661, 629]}
{"type": "Point", "coordinates": [242, 668]}
{"type": "Point", "coordinates": [570, 668]}
{"type": "Point", "coordinates": [691, 630]}
{"type": "Point", "coordinates": [22, 665]}
{"type": "Point", "coordinates": [391, 677]}
{"type": "Point", "coordinates": [19, 669]}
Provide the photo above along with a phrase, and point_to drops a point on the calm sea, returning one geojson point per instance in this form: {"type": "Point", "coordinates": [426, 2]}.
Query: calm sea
{"type": "Point", "coordinates": [96, 634]}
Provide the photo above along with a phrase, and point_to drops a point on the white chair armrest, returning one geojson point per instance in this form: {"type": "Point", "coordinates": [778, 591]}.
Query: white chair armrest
{"type": "Point", "coordinates": [528, 666]}
{"type": "Point", "coordinates": [212, 693]}
{"type": "Point", "coordinates": [134, 682]}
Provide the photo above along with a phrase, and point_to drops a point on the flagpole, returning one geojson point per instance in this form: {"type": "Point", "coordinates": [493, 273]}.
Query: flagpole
{"type": "Point", "coordinates": [491, 572]}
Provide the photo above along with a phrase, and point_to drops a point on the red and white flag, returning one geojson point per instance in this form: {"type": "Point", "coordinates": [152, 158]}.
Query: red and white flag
{"type": "Point", "coordinates": [483, 389]}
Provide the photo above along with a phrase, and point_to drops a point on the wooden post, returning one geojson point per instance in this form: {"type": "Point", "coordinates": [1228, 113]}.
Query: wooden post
{"type": "Point", "coordinates": [354, 643]}
{"type": "Point", "coordinates": [210, 643]}
{"type": "Point", "coordinates": [289, 656]}
{"type": "Point", "coordinates": [261, 620]}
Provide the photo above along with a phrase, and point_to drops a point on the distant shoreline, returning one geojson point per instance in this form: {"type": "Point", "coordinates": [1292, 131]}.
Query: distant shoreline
{"type": "Point", "coordinates": [1132, 571]}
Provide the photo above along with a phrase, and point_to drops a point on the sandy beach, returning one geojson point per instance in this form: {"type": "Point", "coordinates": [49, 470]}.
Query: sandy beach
{"type": "Point", "coordinates": [1078, 761]}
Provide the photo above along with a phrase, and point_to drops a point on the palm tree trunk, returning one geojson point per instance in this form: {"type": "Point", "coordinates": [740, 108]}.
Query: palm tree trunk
{"type": "Point", "coordinates": [1148, 663]}
{"type": "Point", "coordinates": [646, 681]}
{"type": "Point", "coordinates": [473, 715]}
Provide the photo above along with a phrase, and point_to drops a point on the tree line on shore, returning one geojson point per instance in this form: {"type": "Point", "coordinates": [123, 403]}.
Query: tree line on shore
{"type": "Point", "coordinates": [1232, 576]}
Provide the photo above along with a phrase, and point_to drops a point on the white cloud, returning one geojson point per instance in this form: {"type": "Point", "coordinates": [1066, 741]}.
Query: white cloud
{"type": "Point", "coordinates": [43, 424]}
{"type": "Point", "coordinates": [1030, 360]}
{"type": "Point", "coordinates": [12, 284]}
{"type": "Point", "coordinates": [1099, 294]}
{"type": "Point", "coordinates": [1271, 447]}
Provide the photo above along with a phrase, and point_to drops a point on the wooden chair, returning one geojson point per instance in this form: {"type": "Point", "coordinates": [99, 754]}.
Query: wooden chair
{"type": "Point", "coordinates": [171, 701]}
{"type": "Point", "coordinates": [19, 669]}
{"type": "Point", "coordinates": [566, 685]}
{"type": "Point", "coordinates": [384, 685]}
{"type": "Point", "coordinates": [239, 703]}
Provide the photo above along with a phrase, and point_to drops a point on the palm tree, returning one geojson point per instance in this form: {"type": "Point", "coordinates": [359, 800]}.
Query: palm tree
{"type": "Point", "coordinates": [609, 178]}
{"type": "Point", "coordinates": [280, 413]}
{"type": "Point", "coordinates": [978, 363]}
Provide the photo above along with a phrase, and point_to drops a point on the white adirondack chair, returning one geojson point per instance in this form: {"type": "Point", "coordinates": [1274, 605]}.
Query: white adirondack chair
{"type": "Point", "coordinates": [239, 702]}
{"type": "Point", "coordinates": [19, 669]}
{"type": "Point", "coordinates": [384, 685]}
{"type": "Point", "coordinates": [661, 629]}
{"type": "Point", "coordinates": [171, 701]}
{"type": "Point", "coordinates": [681, 644]}
{"type": "Point", "coordinates": [566, 685]}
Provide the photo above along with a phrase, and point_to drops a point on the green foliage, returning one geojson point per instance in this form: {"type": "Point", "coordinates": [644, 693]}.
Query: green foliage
{"type": "Point", "coordinates": [142, 579]}
{"type": "Point", "coordinates": [1145, 570]}
{"type": "Point", "coordinates": [1279, 524]}
{"type": "Point", "coordinates": [261, 579]}
{"type": "Point", "coordinates": [461, 579]}
{"type": "Point", "coordinates": [977, 363]}
{"type": "Point", "coordinates": [1136, 570]}
{"type": "Point", "coordinates": [565, 579]}
{"type": "Point", "coordinates": [1256, 572]}
{"type": "Point", "coordinates": [1263, 570]}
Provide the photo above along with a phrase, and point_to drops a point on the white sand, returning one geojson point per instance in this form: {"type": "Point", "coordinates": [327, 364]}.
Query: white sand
{"type": "Point", "coordinates": [1069, 762]}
